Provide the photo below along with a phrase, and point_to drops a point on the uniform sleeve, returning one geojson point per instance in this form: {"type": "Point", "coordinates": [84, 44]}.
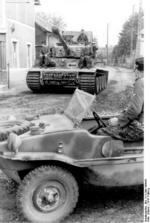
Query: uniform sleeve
{"type": "Point", "coordinates": [135, 106]}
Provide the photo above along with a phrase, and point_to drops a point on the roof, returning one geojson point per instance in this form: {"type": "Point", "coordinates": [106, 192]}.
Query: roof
{"type": "Point", "coordinates": [43, 24]}
{"type": "Point", "coordinates": [75, 34]}
{"type": "Point", "coordinates": [37, 2]}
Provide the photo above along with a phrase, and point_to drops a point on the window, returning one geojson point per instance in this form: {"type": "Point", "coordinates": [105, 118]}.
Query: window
{"type": "Point", "coordinates": [29, 55]}
{"type": "Point", "coordinates": [15, 54]}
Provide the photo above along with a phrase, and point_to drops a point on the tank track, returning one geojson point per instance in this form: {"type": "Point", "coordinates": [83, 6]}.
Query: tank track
{"type": "Point", "coordinates": [33, 81]}
{"type": "Point", "coordinates": [87, 83]}
{"type": "Point", "coordinates": [93, 84]}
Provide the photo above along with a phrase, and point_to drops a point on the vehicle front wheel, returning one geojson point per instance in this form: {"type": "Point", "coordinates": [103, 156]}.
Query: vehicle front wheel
{"type": "Point", "coordinates": [47, 194]}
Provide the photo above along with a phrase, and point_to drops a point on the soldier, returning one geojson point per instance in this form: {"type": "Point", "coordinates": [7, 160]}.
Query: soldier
{"type": "Point", "coordinates": [129, 125]}
{"type": "Point", "coordinates": [52, 52]}
{"type": "Point", "coordinates": [85, 62]}
{"type": "Point", "coordinates": [86, 58]}
{"type": "Point", "coordinates": [43, 54]}
{"type": "Point", "coordinates": [95, 48]}
{"type": "Point", "coordinates": [46, 60]}
{"type": "Point", "coordinates": [82, 38]}
{"type": "Point", "coordinates": [49, 62]}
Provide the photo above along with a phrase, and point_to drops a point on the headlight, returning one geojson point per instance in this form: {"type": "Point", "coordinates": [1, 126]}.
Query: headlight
{"type": "Point", "coordinates": [14, 142]}
{"type": "Point", "coordinates": [107, 149]}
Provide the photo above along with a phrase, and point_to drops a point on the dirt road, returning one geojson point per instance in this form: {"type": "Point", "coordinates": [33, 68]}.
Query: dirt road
{"type": "Point", "coordinates": [21, 101]}
{"type": "Point", "coordinates": [96, 205]}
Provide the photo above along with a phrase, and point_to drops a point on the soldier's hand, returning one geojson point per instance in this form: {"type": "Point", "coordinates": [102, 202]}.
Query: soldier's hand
{"type": "Point", "coordinates": [113, 121]}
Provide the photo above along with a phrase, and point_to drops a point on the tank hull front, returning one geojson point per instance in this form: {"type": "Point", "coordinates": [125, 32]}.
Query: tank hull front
{"type": "Point", "coordinates": [90, 80]}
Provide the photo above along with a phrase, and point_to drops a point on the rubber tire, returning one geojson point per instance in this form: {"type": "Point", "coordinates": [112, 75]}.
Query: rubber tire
{"type": "Point", "coordinates": [23, 127]}
{"type": "Point", "coordinates": [31, 182]}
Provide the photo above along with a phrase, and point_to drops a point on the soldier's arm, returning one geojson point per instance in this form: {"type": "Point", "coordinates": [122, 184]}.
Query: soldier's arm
{"type": "Point", "coordinates": [135, 106]}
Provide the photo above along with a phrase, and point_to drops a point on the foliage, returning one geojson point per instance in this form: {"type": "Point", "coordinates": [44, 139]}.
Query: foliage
{"type": "Point", "coordinates": [129, 33]}
{"type": "Point", "coordinates": [52, 20]}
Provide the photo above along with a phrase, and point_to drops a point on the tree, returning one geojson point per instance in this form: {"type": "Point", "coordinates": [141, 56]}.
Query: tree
{"type": "Point", "coordinates": [115, 53]}
{"type": "Point", "coordinates": [130, 27]}
{"type": "Point", "coordinates": [52, 20]}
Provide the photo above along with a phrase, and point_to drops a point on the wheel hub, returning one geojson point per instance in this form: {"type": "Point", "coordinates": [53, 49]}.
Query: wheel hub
{"type": "Point", "coordinates": [49, 196]}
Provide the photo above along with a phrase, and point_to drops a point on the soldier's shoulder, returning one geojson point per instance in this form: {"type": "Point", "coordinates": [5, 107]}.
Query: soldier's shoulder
{"type": "Point", "coordinates": [139, 86]}
{"type": "Point", "coordinates": [140, 81]}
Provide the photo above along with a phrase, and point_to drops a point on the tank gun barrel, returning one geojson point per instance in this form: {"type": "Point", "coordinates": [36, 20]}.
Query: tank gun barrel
{"type": "Point", "coordinates": [55, 30]}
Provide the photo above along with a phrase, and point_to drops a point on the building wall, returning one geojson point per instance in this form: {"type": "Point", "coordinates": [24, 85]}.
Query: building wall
{"type": "Point", "coordinates": [140, 44]}
{"type": "Point", "coordinates": [21, 11]}
{"type": "Point", "coordinates": [3, 72]}
{"type": "Point", "coordinates": [17, 23]}
{"type": "Point", "coordinates": [45, 37]}
{"type": "Point", "coordinates": [20, 23]}
{"type": "Point", "coordinates": [52, 40]}
{"type": "Point", "coordinates": [40, 35]}
{"type": "Point", "coordinates": [23, 35]}
{"type": "Point", "coordinates": [2, 16]}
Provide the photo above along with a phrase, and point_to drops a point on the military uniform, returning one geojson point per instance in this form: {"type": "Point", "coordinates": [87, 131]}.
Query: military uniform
{"type": "Point", "coordinates": [131, 122]}
{"type": "Point", "coordinates": [86, 58]}
{"type": "Point", "coordinates": [82, 38]}
{"type": "Point", "coordinates": [43, 53]}
{"type": "Point", "coordinates": [85, 62]}
{"type": "Point", "coordinates": [46, 60]}
{"type": "Point", "coordinates": [95, 48]}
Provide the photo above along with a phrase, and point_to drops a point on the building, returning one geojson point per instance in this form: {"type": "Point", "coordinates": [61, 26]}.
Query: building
{"type": "Point", "coordinates": [140, 35]}
{"type": "Point", "coordinates": [140, 44]}
{"type": "Point", "coordinates": [17, 38]}
{"type": "Point", "coordinates": [42, 34]}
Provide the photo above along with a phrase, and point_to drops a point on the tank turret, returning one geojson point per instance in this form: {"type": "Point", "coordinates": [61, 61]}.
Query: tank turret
{"type": "Point", "coordinates": [56, 32]}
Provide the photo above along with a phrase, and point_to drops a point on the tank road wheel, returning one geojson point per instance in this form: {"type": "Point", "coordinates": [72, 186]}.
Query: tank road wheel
{"type": "Point", "coordinates": [47, 194]}
{"type": "Point", "coordinates": [33, 81]}
{"type": "Point", "coordinates": [100, 83]}
{"type": "Point", "coordinates": [103, 82]}
{"type": "Point", "coordinates": [88, 83]}
{"type": "Point", "coordinates": [106, 81]}
{"type": "Point", "coordinates": [97, 85]}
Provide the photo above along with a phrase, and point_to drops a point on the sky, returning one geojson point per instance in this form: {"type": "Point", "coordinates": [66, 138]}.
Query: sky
{"type": "Point", "coordinates": [93, 15]}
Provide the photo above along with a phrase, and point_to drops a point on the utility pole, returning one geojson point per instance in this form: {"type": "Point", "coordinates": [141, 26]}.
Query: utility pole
{"type": "Point", "coordinates": [131, 38]}
{"type": "Point", "coordinates": [131, 43]}
{"type": "Point", "coordinates": [107, 44]}
{"type": "Point", "coordinates": [138, 43]}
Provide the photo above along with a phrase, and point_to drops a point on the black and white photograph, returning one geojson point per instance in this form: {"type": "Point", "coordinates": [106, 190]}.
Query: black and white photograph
{"type": "Point", "coordinates": [72, 96]}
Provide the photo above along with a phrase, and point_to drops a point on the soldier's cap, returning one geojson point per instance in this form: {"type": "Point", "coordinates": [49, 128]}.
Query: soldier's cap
{"type": "Point", "coordinates": [139, 64]}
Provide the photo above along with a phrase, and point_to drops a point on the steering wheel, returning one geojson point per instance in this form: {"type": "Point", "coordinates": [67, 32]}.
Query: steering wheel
{"type": "Point", "coordinates": [98, 120]}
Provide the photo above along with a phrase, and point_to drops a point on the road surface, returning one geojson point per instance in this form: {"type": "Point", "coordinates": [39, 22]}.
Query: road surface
{"type": "Point", "coordinates": [96, 205]}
